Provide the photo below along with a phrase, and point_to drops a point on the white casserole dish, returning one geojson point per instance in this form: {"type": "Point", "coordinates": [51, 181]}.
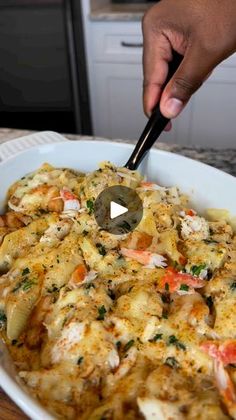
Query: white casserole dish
{"type": "Point", "coordinates": [206, 186]}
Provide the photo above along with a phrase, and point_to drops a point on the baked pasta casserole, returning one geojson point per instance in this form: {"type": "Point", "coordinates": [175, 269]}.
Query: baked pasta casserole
{"type": "Point", "coordinates": [140, 325]}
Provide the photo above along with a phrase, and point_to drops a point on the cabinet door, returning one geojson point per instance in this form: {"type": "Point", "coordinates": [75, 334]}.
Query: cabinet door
{"type": "Point", "coordinates": [117, 104]}
{"type": "Point", "coordinates": [212, 121]}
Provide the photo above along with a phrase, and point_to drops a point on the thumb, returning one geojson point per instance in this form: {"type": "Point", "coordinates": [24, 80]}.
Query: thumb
{"type": "Point", "coordinates": [190, 75]}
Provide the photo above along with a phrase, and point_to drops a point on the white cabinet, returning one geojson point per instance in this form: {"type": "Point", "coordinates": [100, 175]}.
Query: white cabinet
{"type": "Point", "coordinates": [118, 99]}
{"type": "Point", "coordinates": [213, 109]}
{"type": "Point", "coordinates": [116, 79]}
{"type": "Point", "coordinates": [115, 72]}
{"type": "Point", "coordinates": [119, 112]}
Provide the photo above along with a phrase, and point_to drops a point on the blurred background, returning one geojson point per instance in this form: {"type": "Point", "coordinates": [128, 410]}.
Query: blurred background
{"type": "Point", "coordinates": [75, 66]}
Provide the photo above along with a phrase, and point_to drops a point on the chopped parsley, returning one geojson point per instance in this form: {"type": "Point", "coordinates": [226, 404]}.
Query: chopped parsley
{"type": "Point", "coordinates": [3, 317]}
{"type": "Point", "coordinates": [184, 287]}
{"type": "Point", "coordinates": [101, 249]}
{"type": "Point", "coordinates": [196, 269]}
{"type": "Point", "coordinates": [167, 287]}
{"type": "Point", "coordinates": [210, 241]}
{"type": "Point", "coordinates": [165, 298]}
{"type": "Point", "coordinates": [27, 285]}
{"type": "Point", "coordinates": [89, 286]}
{"type": "Point", "coordinates": [90, 206]}
{"type": "Point", "coordinates": [118, 345]}
{"type": "Point", "coordinates": [233, 286]}
{"type": "Point", "coordinates": [53, 289]}
{"type": "Point", "coordinates": [156, 338]}
{"type": "Point", "coordinates": [3, 320]}
{"type": "Point", "coordinates": [128, 345]}
{"type": "Point", "coordinates": [101, 311]}
{"type": "Point", "coordinates": [209, 302]}
{"type": "Point", "coordinates": [173, 340]}
{"type": "Point", "coordinates": [24, 285]}
{"type": "Point", "coordinates": [172, 362]}
{"type": "Point", "coordinates": [111, 294]}
{"type": "Point", "coordinates": [25, 271]}
{"type": "Point", "coordinates": [165, 314]}
{"type": "Point", "coordinates": [80, 360]}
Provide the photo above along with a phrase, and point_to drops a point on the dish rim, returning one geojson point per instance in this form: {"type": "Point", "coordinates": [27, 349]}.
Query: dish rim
{"type": "Point", "coordinates": [11, 387]}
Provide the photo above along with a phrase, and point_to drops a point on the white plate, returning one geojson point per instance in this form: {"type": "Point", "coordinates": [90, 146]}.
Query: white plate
{"type": "Point", "coordinates": [13, 147]}
{"type": "Point", "coordinates": [207, 187]}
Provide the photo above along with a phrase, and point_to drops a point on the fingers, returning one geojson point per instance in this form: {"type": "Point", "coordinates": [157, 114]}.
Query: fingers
{"type": "Point", "coordinates": [157, 54]}
{"type": "Point", "coordinates": [169, 126]}
{"type": "Point", "coordinates": [192, 72]}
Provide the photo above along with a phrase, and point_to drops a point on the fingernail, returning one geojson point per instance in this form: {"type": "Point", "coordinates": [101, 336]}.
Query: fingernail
{"type": "Point", "coordinates": [173, 107]}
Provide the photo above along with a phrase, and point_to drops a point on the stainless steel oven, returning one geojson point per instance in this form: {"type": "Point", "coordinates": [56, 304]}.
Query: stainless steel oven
{"type": "Point", "coordinates": [43, 83]}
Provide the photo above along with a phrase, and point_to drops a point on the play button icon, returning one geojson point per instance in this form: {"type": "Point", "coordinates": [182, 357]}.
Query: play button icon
{"type": "Point", "coordinates": [118, 209]}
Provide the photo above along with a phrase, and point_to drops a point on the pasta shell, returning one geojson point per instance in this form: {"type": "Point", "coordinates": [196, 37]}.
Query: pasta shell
{"type": "Point", "coordinates": [16, 243]}
{"type": "Point", "coordinates": [18, 310]}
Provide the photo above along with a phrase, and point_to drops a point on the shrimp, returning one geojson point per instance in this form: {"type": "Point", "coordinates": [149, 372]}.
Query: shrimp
{"type": "Point", "coordinates": [182, 283]}
{"type": "Point", "coordinates": [70, 200]}
{"type": "Point", "coordinates": [188, 212]}
{"type": "Point", "coordinates": [223, 352]}
{"type": "Point", "coordinates": [148, 259]}
{"type": "Point", "coordinates": [81, 275]}
{"type": "Point", "coordinates": [78, 275]}
{"type": "Point", "coordinates": [151, 186]}
{"type": "Point", "coordinates": [126, 364]}
{"type": "Point", "coordinates": [226, 387]}
{"type": "Point", "coordinates": [138, 240]}
{"type": "Point", "coordinates": [11, 220]}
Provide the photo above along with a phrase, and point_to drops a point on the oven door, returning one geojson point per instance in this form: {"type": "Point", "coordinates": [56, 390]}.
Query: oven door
{"type": "Point", "coordinates": [39, 72]}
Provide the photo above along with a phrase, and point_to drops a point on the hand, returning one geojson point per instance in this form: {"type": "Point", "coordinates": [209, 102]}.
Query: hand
{"type": "Point", "coordinates": [203, 31]}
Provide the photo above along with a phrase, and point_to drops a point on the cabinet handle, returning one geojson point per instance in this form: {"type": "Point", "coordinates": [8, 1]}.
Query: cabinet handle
{"type": "Point", "coordinates": [131, 45]}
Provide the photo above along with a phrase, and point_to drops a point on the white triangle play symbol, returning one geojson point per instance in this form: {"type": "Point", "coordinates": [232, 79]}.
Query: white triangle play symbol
{"type": "Point", "coordinates": [117, 210]}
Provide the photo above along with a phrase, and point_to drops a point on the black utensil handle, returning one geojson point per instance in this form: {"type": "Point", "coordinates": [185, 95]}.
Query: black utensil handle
{"type": "Point", "coordinates": [156, 124]}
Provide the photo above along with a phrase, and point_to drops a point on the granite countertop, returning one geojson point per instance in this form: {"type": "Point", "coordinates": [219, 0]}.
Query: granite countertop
{"type": "Point", "coordinates": [224, 159]}
{"type": "Point", "coordinates": [120, 12]}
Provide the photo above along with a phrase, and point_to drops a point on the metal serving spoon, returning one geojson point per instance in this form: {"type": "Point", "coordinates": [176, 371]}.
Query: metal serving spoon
{"type": "Point", "coordinates": [155, 125]}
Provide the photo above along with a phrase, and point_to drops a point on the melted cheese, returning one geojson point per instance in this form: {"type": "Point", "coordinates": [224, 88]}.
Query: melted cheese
{"type": "Point", "coordinates": [95, 333]}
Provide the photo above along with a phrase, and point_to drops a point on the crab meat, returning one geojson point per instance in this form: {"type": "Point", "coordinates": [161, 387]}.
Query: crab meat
{"type": "Point", "coordinates": [226, 387]}
{"type": "Point", "coordinates": [151, 186]}
{"type": "Point", "coordinates": [56, 232]}
{"type": "Point", "coordinates": [70, 200]}
{"type": "Point", "coordinates": [223, 352]}
{"type": "Point", "coordinates": [146, 258]}
{"type": "Point", "coordinates": [182, 283]}
{"type": "Point", "coordinates": [194, 227]}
